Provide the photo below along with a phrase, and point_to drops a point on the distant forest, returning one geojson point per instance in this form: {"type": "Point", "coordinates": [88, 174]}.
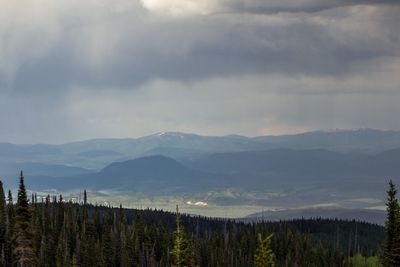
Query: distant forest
{"type": "Point", "coordinates": [53, 232]}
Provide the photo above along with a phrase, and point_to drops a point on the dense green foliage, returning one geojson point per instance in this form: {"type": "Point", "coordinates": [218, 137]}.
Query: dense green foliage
{"type": "Point", "coordinates": [63, 234]}
{"type": "Point", "coordinates": [361, 261]}
{"type": "Point", "coordinates": [264, 256]}
{"type": "Point", "coordinates": [182, 253]}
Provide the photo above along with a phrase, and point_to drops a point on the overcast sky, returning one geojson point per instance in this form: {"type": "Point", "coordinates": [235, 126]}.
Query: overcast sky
{"type": "Point", "coordinates": [80, 69]}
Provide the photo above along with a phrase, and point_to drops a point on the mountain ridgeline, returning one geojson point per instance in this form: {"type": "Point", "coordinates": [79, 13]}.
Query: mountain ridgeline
{"type": "Point", "coordinates": [97, 153]}
{"type": "Point", "coordinates": [347, 169]}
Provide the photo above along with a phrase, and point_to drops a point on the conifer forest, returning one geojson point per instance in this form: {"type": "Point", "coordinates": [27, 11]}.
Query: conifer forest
{"type": "Point", "coordinates": [53, 232]}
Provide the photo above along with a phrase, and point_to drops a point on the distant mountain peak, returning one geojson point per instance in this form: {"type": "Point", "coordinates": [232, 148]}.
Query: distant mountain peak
{"type": "Point", "coordinates": [170, 134]}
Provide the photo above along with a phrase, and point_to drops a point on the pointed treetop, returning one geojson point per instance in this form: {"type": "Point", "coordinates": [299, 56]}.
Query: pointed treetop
{"type": "Point", "coordinates": [84, 197]}
{"type": "Point", "coordinates": [22, 197]}
{"type": "Point", "coordinates": [392, 192]}
{"type": "Point", "coordinates": [21, 179]}
{"type": "Point", "coordinates": [178, 219]}
{"type": "Point", "coordinates": [10, 199]}
{"type": "Point", "coordinates": [2, 197]}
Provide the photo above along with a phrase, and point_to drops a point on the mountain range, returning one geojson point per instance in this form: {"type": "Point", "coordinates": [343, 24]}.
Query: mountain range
{"type": "Point", "coordinates": [248, 170]}
{"type": "Point", "coordinates": [349, 169]}
{"type": "Point", "coordinates": [97, 153]}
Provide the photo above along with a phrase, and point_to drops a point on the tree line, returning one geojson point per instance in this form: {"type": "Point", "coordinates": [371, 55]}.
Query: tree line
{"type": "Point", "coordinates": [53, 232]}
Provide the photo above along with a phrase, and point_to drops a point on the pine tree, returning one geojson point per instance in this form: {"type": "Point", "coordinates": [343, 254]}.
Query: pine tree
{"type": "Point", "coordinates": [108, 249]}
{"type": "Point", "coordinates": [391, 254]}
{"type": "Point", "coordinates": [25, 255]}
{"type": "Point", "coordinates": [9, 255]}
{"type": "Point", "coordinates": [264, 256]}
{"type": "Point", "coordinates": [3, 226]}
{"type": "Point", "coordinates": [84, 197]}
{"type": "Point", "coordinates": [182, 255]}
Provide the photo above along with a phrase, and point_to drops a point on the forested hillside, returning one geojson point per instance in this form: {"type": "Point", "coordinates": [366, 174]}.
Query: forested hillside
{"type": "Point", "coordinates": [53, 232]}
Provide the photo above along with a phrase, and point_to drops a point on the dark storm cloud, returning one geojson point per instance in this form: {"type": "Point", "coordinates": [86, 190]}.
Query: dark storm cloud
{"type": "Point", "coordinates": [133, 50]}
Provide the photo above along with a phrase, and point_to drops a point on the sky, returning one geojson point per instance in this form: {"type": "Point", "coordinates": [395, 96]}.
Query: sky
{"type": "Point", "coordinates": [80, 69]}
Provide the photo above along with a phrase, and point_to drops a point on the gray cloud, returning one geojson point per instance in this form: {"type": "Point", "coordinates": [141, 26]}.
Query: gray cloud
{"type": "Point", "coordinates": [183, 7]}
{"type": "Point", "coordinates": [133, 47]}
{"type": "Point", "coordinates": [81, 69]}
{"type": "Point", "coordinates": [274, 6]}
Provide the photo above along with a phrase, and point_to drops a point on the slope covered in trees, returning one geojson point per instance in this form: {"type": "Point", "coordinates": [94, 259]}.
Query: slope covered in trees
{"type": "Point", "coordinates": [58, 233]}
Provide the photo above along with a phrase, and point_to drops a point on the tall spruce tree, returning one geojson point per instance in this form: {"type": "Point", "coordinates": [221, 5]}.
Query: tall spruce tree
{"type": "Point", "coordinates": [9, 254]}
{"type": "Point", "coordinates": [24, 251]}
{"type": "Point", "coordinates": [264, 256]}
{"type": "Point", "coordinates": [3, 226]}
{"type": "Point", "coordinates": [84, 197]}
{"type": "Point", "coordinates": [391, 255]}
{"type": "Point", "coordinates": [182, 255]}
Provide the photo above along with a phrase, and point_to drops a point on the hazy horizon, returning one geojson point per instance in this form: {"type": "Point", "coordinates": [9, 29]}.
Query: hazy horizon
{"type": "Point", "coordinates": [337, 130]}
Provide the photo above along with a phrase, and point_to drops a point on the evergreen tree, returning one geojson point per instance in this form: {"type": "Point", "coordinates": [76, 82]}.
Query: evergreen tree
{"type": "Point", "coordinates": [84, 197]}
{"type": "Point", "coordinates": [47, 245]}
{"type": "Point", "coordinates": [3, 226]}
{"type": "Point", "coordinates": [37, 229]}
{"type": "Point", "coordinates": [182, 255]}
{"type": "Point", "coordinates": [9, 255]}
{"type": "Point", "coordinates": [108, 249]}
{"type": "Point", "coordinates": [25, 255]}
{"type": "Point", "coordinates": [391, 254]}
{"type": "Point", "coordinates": [264, 256]}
